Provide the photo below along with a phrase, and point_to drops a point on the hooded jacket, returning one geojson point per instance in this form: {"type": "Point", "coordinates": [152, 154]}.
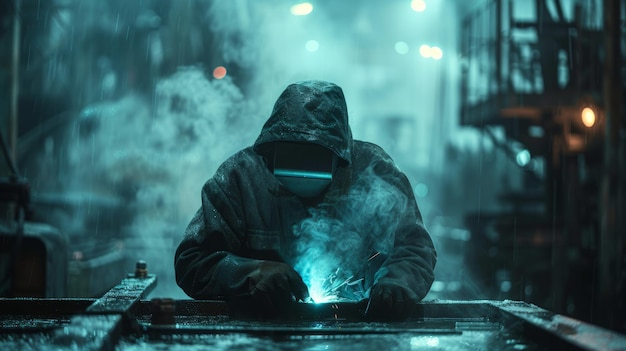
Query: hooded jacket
{"type": "Point", "coordinates": [247, 216]}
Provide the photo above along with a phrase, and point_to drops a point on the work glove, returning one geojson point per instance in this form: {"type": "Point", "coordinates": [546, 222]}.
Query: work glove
{"type": "Point", "coordinates": [274, 285]}
{"type": "Point", "coordinates": [390, 301]}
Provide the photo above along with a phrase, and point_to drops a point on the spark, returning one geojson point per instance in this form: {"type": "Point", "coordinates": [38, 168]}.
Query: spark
{"type": "Point", "coordinates": [329, 289]}
{"type": "Point", "coordinates": [373, 256]}
{"type": "Point", "coordinates": [339, 285]}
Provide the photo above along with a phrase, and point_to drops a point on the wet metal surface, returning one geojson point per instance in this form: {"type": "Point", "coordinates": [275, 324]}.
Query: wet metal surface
{"type": "Point", "coordinates": [92, 332]}
{"type": "Point", "coordinates": [429, 335]}
{"type": "Point", "coordinates": [124, 296]}
{"type": "Point", "coordinates": [72, 324]}
{"type": "Point", "coordinates": [478, 342]}
{"type": "Point", "coordinates": [436, 325]}
{"type": "Point", "coordinates": [120, 320]}
{"type": "Point", "coordinates": [583, 335]}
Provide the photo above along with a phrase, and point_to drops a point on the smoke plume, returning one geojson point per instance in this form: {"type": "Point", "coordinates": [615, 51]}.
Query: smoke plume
{"type": "Point", "coordinates": [155, 156]}
{"type": "Point", "coordinates": [339, 237]}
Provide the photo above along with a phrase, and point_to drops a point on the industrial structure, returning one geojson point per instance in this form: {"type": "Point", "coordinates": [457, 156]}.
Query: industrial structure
{"type": "Point", "coordinates": [549, 91]}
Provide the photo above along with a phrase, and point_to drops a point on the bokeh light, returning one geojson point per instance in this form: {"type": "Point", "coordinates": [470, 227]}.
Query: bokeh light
{"type": "Point", "coordinates": [401, 47]}
{"type": "Point", "coordinates": [302, 9]}
{"type": "Point", "coordinates": [219, 72]}
{"type": "Point", "coordinates": [312, 45]}
{"type": "Point", "coordinates": [421, 190]}
{"type": "Point", "coordinates": [425, 51]}
{"type": "Point", "coordinates": [522, 158]}
{"type": "Point", "coordinates": [588, 117]}
{"type": "Point", "coordinates": [418, 5]}
{"type": "Point", "coordinates": [436, 53]}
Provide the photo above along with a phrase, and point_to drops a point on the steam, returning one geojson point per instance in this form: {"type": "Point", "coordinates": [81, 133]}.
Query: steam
{"type": "Point", "coordinates": [154, 156]}
{"type": "Point", "coordinates": [336, 241]}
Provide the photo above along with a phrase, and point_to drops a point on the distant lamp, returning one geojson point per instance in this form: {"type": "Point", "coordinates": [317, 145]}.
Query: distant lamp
{"type": "Point", "coordinates": [436, 53]}
{"type": "Point", "coordinates": [302, 9]}
{"type": "Point", "coordinates": [588, 117]}
{"type": "Point", "coordinates": [418, 5]}
{"type": "Point", "coordinates": [219, 72]}
{"type": "Point", "coordinates": [425, 51]}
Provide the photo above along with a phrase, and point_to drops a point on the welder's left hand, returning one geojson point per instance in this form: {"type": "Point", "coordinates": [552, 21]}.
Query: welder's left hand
{"type": "Point", "coordinates": [390, 301]}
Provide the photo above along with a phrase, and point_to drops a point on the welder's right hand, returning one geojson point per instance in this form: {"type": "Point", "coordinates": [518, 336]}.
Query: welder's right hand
{"type": "Point", "coordinates": [390, 301]}
{"type": "Point", "coordinates": [274, 285]}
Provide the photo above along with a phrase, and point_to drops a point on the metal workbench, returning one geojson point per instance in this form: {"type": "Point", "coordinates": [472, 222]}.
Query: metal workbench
{"type": "Point", "coordinates": [123, 320]}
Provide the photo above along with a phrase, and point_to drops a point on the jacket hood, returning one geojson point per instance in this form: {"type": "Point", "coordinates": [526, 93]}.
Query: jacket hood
{"type": "Point", "coordinates": [310, 111]}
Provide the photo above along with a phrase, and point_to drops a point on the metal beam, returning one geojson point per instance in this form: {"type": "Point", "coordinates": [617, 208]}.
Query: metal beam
{"type": "Point", "coordinates": [610, 295]}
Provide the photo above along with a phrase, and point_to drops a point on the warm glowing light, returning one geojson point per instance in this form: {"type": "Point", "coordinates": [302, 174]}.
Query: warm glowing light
{"type": "Point", "coordinates": [588, 117]}
{"type": "Point", "coordinates": [436, 53]}
{"type": "Point", "coordinates": [302, 9]}
{"type": "Point", "coordinates": [402, 47]}
{"type": "Point", "coordinates": [425, 51]}
{"type": "Point", "coordinates": [418, 5]}
{"type": "Point", "coordinates": [219, 72]}
{"type": "Point", "coordinates": [312, 45]}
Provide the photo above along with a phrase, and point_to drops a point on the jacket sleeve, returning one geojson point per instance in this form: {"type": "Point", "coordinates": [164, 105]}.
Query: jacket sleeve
{"type": "Point", "coordinates": [206, 262]}
{"type": "Point", "coordinates": [411, 262]}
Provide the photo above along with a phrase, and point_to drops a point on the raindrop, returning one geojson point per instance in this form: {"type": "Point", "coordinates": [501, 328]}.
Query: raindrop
{"type": "Point", "coordinates": [28, 59]}
{"type": "Point", "coordinates": [72, 39]}
{"type": "Point", "coordinates": [117, 22]}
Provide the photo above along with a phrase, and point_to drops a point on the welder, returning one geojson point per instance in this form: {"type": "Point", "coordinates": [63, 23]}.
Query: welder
{"type": "Point", "coordinates": [240, 244]}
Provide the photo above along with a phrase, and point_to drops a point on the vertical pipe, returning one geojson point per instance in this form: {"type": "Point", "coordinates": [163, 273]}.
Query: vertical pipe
{"type": "Point", "coordinates": [610, 262]}
{"type": "Point", "coordinates": [498, 43]}
{"type": "Point", "coordinates": [15, 84]}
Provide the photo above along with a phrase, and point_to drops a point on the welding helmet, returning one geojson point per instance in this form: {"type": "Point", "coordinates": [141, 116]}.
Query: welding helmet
{"type": "Point", "coordinates": [305, 169]}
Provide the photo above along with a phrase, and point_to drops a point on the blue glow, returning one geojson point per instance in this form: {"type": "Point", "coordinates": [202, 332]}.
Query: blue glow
{"type": "Point", "coordinates": [302, 174]}
{"type": "Point", "coordinates": [522, 158]}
